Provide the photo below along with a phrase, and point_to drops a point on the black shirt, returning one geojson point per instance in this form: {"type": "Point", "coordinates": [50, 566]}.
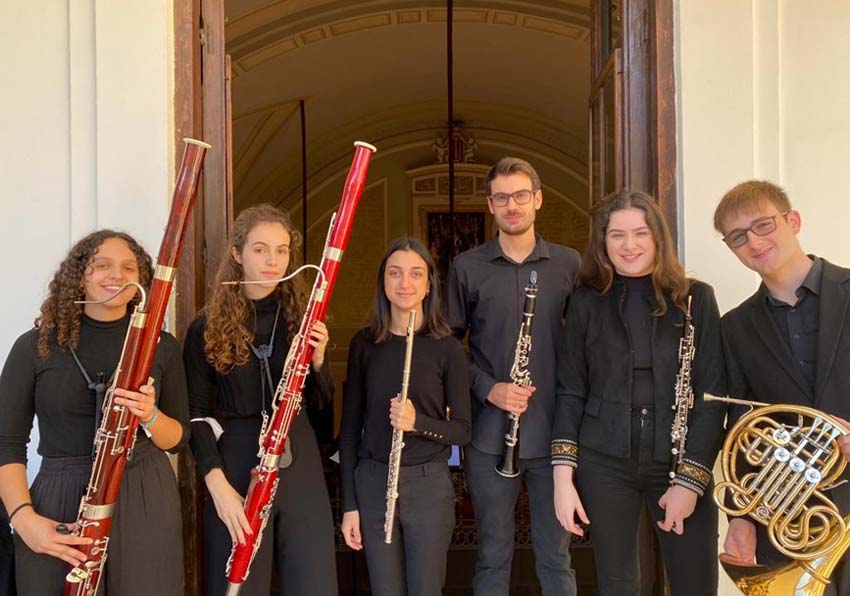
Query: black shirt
{"type": "Point", "coordinates": [438, 379]}
{"type": "Point", "coordinates": [638, 305]}
{"type": "Point", "coordinates": [485, 296]}
{"type": "Point", "coordinates": [241, 392]}
{"type": "Point", "coordinates": [798, 323]}
{"type": "Point", "coordinates": [55, 391]}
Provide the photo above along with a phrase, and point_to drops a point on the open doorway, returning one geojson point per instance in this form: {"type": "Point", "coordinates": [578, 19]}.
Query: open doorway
{"type": "Point", "coordinates": [444, 89]}
{"type": "Point", "coordinates": [309, 78]}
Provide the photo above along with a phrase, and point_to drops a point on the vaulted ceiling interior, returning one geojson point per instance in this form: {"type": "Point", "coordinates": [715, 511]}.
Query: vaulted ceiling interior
{"type": "Point", "coordinates": [376, 70]}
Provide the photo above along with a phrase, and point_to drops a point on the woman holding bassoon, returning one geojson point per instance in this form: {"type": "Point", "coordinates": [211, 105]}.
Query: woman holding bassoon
{"type": "Point", "coordinates": [234, 354]}
{"type": "Point", "coordinates": [435, 416]}
{"type": "Point", "coordinates": [641, 341]}
{"type": "Point", "coordinates": [59, 372]}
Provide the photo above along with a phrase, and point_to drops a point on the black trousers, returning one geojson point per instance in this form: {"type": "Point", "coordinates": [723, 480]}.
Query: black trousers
{"type": "Point", "coordinates": [145, 553]}
{"type": "Point", "coordinates": [494, 499]}
{"type": "Point", "coordinates": [613, 491]}
{"type": "Point", "coordinates": [415, 562]}
{"type": "Point", "coordinates": [299, 535]}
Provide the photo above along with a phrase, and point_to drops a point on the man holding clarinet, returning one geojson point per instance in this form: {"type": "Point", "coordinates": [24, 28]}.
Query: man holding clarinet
{"type": "Point", "coordinates": [485, 297]}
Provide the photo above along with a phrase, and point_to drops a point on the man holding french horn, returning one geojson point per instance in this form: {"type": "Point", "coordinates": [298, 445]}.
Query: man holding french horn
{"type": "Point", "coordinates": [789, 343]}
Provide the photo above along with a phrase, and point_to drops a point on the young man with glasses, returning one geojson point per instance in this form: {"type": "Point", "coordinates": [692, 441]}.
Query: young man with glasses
{"type": "Point", "coordinates": [485, 298]}
{"type": "Point", "coordinates": [790, 341]}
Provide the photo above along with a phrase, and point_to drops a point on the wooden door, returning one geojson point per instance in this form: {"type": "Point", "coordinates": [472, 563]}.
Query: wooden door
{"type": "Point", "coordinates": [201, 107]}
{"type": "Point", "coordinates": [632, 101]}
{"type": "Point", "coordinates": [631, 111]}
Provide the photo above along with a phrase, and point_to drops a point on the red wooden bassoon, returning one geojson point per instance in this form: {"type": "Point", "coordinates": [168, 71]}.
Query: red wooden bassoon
{"type": "Point", "coordinates": [115, 438]}
{"type": "Point", "coordinates": [286, 402]}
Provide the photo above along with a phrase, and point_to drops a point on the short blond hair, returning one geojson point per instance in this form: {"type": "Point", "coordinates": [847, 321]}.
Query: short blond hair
{"type": "Point", "coordinates": [748, 196]}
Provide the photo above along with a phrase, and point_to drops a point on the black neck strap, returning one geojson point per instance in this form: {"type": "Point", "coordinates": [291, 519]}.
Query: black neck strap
{"type": "Point", "coordinates": [263, 352]}
{"type": "Point", "coordinates": [99, 387]}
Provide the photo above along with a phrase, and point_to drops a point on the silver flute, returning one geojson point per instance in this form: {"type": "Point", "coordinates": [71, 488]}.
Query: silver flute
{"type": "Point", "coordinates": [684, 392]}
{"type": "Point", "coordinates": [398, 436]}
{"type": "Point", "coordinates": [521, 376]}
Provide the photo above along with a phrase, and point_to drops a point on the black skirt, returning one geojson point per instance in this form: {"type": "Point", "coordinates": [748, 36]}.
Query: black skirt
{"type": "Point", "coordinates": [145, 551]}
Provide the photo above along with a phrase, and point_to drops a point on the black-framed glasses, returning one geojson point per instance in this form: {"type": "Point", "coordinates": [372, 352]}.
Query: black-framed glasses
{"type": "Point", "coordinates": [520, 197]}
{"type": "Point", "coordinates": [760, 227]}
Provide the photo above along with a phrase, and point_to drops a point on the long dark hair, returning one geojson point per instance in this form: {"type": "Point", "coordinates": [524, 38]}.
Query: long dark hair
{"type": "Point", "coordinates": [59, 320]}
{"type": "Point", "coordinates": [668, 275]}
{"type": "Point", "coordinates": [226, 337]}
{"type": "Point", "coordinates": [434, 323]}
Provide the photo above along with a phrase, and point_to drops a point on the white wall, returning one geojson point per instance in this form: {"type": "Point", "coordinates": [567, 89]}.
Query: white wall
{"type": "Point", "coordinates": [762, 93]}
{"type": "Point", "coordinates": [86, 128]}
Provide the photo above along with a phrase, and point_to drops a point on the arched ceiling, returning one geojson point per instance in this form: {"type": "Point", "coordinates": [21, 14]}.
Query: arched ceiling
{"type": "Point", "coordinates": [376, 69]}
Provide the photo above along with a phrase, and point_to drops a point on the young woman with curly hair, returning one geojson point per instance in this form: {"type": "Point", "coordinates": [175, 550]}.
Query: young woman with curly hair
{"type": "Point", "coordinates": [234, 354]}
{"type": "Point", "coordinates": [58, 372]}
{"type": "Point", "coordinates": [617, 369]}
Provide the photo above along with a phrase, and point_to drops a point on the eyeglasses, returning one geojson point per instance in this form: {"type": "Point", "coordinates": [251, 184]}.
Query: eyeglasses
{"type": "Point", "coordinates": [760, 227]}
{"type": "Point", "coordinates": [520, 197]}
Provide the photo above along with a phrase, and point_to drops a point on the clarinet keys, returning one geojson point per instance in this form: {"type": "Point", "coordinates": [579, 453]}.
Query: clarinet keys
{"type": "Point", "coordinates": [521, 376]}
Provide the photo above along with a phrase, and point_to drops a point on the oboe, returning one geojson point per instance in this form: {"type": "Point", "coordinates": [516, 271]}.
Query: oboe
{"type": "Point", "coordinates": [521, 376]}
{"type": "Point", "coordinates": [115, 438]}
{"type": "Point", "coordinates": [684, 392]}
{"type": "Point", "coordinates": [286, 403]}
{"type": "Point", "coordinates": [398, 436]}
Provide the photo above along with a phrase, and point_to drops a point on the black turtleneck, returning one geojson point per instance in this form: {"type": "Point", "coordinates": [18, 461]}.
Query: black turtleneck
{"type": "Point", "coordinates": [638, 304]}
{"type": "Point", "coordinates": [241, 393]}
{"type": "Point", "coordinates": [55, 391]}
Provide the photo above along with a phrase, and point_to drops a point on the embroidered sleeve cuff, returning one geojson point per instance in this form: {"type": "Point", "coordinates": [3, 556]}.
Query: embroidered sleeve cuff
{"type": "Point", "coordinates": [692, 475]}
{"type": "Point", "coordinates": [564, 452]}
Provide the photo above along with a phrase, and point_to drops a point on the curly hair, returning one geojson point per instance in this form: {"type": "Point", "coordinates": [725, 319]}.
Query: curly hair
{"type": "Point", "coordinates": [668, 275]}
{"type": "Point", "coordinates": [59, 319]}
{"type": "Point", "coordinates": [227, 335]}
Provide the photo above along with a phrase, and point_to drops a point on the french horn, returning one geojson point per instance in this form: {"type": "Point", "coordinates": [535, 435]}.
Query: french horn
{"type": "Point", "coordinates": [777, 464]}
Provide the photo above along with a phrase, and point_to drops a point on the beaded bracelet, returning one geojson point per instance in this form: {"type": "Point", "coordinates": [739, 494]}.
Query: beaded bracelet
{"type": "Point", "coordinates": [149, 423]}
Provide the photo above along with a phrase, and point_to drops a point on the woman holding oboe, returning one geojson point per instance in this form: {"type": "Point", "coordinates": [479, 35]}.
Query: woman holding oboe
{"type": "Point", "coordinates": [435, 416]}
{"type": "Point", "coordinates": [617, 386]}
{"type": "Point", "coordinates": [59, 372]}
{"type": "Point", "coordinates": [234, 353]}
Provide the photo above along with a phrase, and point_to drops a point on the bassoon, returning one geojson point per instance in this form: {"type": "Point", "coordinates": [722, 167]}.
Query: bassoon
{"type": "Point", "coordinates": [286, 402]}
{"type": "Point", "coordinates": [116, 436]}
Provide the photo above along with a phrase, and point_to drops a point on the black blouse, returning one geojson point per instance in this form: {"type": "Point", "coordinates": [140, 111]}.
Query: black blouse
{"type": "Point", "coordinates": [241, 393]}
{"type": "Point", "coordinates": [438, 379]}
{"type": "Point", "coordinates": [55, 391]}
{"type": "Point", "coordinates": [638, 304]}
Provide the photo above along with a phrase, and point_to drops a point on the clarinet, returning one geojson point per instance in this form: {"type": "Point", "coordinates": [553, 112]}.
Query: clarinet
{"type": "Point", "coordinates": [286, 402]}
{"type": "Point", "coordinates": [116, 437]}
{"type": "Point", "coordinates": [398, 437]}
{"type": "Point", "coordinates": [684, 392]}
{"type": "Point", "coordinates": [521, 376]}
